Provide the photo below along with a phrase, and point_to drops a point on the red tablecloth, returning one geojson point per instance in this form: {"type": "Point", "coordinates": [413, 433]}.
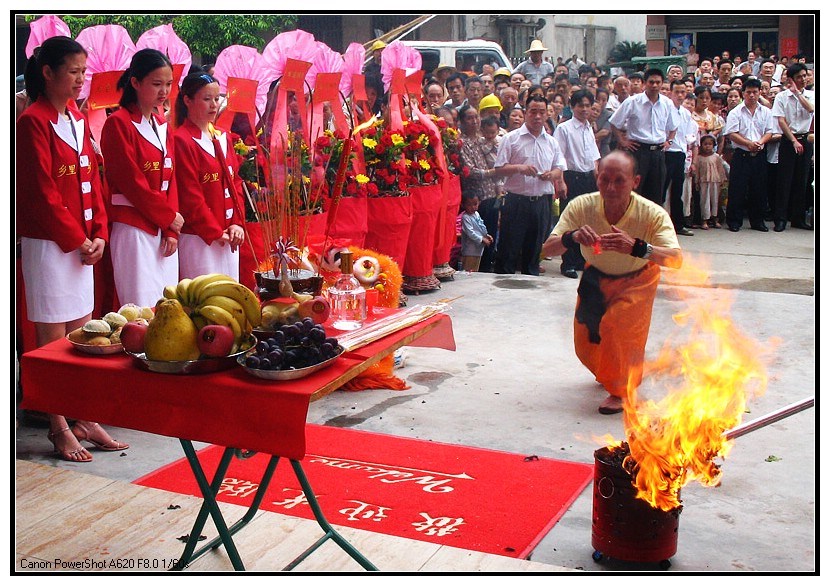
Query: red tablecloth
{"type": "Point", "coordinates": [228, 408]}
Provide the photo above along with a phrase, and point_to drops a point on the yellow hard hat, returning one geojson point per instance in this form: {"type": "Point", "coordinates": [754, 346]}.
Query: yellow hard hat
{"type": "Point", "coordinates": [490, 101]}
{"type": "Point", "coordinates": [378, 45]}
{"type": "Point", "coordinates": [502, 71]}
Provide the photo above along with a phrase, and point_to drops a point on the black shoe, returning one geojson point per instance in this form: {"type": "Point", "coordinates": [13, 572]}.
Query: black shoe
{"type": "Point", "coordinates": [570, 273]}
{"type": "Point", "coordinates": [760, 228]}
{"type": "Point", "coordinates": [685, 232]}
{"type": "Point", "coordinates": [802, 226]}
{"type": "Point", "coordinates": [780, 225]}
{"type": "Point", "coordinates": [734, 228]}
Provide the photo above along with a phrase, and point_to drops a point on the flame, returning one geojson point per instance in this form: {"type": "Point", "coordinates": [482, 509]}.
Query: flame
{"type": "Point", "coordinates": [709, 377]}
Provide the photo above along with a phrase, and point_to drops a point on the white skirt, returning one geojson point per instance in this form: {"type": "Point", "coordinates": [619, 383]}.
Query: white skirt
{"type": "Point", "coordinates": [197, 258]}
{"type": "Point", "coordinates": [59, 287]}
{"type": "Point", "coordinates": [138, 267]}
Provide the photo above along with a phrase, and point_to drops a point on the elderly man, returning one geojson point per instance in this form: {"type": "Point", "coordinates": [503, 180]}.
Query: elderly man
{"type": "Point", "coordinates": [645, 125]}
{"type": "Point", "coordinates": [673, 72]}
{"type": "Point", "coordinates": [473, 90]}
{"type": "Point", "coordinates": [535, 68]}
{"type": "Point", "coordinates": [622, 89]}
{"type": "Point", "coordinates": [508, 98]}
{"type": "Point", "coordinates": [625, 239]}
{"type": "Point", "coordinates": [532, 164]}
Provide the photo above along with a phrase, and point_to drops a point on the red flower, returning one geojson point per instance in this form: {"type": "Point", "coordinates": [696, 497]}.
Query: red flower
{"type": "Point", "coordinates": [372, 189]}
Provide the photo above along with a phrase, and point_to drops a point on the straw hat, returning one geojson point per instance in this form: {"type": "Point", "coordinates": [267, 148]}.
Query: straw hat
{"type": "Point", "coordinates": [377, 45]}
{"type": "Point", "coordinates": [490, 101]}
{"type": "Point", "coordinates": [445, 67]}
{"type": "Point", "coordinates": [536, 45]}
{"type": "Point", "coordinates": [502, 71]}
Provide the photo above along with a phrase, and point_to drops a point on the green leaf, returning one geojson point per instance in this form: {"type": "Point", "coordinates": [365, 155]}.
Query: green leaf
{"type": "Point", "coordinates": [772, 459]}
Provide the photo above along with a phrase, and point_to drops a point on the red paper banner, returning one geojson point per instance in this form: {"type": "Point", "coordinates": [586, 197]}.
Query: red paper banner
{"type": "Point", "coordinates": [103, 90]}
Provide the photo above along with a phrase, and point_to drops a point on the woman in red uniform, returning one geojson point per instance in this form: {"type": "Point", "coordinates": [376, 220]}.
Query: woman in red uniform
{"type": "Point", "coordinates": [207, 182]}
{"type": "Point", "coordinates": [60, 215]}
{"type": "Point", "coordinates": [138, 164]}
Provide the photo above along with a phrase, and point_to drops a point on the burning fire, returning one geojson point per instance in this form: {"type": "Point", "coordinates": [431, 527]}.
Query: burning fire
{"type": "Point", "coordinates": [709, 377]}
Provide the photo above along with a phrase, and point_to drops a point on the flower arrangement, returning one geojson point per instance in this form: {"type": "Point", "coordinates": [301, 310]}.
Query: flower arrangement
{"type": "Point", "coordinates": [386, 163]}
{"type": "Point", "coordinates": [451, 139]}
{"type": "Point", "coordinates": [328, 153]}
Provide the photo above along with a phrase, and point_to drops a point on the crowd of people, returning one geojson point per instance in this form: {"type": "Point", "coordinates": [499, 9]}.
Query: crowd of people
{"type": "Point", "coordinates": [722, 140]}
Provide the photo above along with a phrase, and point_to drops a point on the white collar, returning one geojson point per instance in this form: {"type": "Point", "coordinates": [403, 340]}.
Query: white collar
{"type": "Point", "coordinates": [145, 129]}
{"type": "Point", "coordinates": [64, 129]}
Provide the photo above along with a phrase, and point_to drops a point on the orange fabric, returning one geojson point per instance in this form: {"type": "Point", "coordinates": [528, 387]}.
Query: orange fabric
{"type": "Point", "coordinates": [617, 360]}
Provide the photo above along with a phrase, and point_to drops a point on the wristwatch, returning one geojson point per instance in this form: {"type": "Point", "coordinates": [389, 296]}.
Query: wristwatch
{"type": "Point", "coordinates": [649, 250]}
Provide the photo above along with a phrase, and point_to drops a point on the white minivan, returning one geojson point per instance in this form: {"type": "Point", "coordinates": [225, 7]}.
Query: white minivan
{"type": "Point", "coordinates": [465, 56]}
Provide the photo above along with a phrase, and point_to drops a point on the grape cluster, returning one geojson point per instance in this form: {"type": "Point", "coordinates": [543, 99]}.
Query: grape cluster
{"type": "Point", "coordinates": [293, 346]}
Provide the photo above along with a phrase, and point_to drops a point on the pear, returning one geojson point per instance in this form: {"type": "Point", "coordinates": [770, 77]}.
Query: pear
{"type": "Point", "coordinates": [171, 334]}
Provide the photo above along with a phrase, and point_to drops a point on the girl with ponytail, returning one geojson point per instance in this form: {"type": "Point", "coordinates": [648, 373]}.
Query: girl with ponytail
{"type": "Point", "coordinates": [208, 182]}
{"type": "Point", "coordinates": [137, 146]}
{"type": "Point", "coordinates": [61, 219]}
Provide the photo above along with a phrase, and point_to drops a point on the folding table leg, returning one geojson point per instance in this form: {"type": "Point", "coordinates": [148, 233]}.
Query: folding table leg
{"type": "Point", "coordinates": [330, 532]}
{"type": "Point", "coordinates": [209, 506]}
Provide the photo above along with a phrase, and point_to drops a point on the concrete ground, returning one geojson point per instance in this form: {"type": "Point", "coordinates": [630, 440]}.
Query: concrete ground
{"type": "Point", "coordinates": [514, 384]}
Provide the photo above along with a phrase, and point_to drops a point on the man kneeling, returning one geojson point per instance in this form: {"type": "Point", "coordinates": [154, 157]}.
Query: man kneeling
{"type": "Point", "coordinates": [623, 237]}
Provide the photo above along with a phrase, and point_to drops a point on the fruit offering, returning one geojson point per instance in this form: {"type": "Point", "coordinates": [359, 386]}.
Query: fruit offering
{"type": "Point", "coordinates": [294, 346]}
{"type": "Point", "coordinates": [208, 301]}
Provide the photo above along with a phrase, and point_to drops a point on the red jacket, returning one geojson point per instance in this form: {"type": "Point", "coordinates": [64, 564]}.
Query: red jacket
{"type": "Point", "coordinates": [141, 189]}
{"type": "Point", "coordinates": [203, 184]}
{"type": "Point", "coordinates": [59, 194]}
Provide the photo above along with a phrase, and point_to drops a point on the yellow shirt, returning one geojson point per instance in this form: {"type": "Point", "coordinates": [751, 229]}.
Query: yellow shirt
{"type": "Point", "coordinates": [643, 219]}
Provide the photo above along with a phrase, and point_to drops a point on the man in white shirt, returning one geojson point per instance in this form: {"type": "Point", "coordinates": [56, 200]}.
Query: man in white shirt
{"type": "Point", "coordinates": [645, 125]}
{"type": "Point", "coordinates": [749, 127]}
{"type": "Point", "coordinates": [576, 140]}
{"type": "Point", "coordinates": [795, 109]}
{"type": "Point", "coordinates": [685, 142]}
{"type": "Point", "coordinates": [724, 75]}
{"type": "Point", "coordinates": [532, 164]}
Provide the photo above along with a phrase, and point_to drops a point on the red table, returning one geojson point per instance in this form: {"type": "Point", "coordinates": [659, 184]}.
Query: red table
{"type": "Point", "coordinates": [229, 408]}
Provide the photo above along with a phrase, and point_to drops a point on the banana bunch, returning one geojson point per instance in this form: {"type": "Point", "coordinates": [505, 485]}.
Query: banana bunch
{"type": "Point", "coordinates": [218, 299]}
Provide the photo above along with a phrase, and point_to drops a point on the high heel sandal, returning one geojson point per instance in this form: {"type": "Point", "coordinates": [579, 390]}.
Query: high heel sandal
{"type": "Point", "coordinates": [69, 455]}
{"type": "Point", "coordinates": [110, 446]}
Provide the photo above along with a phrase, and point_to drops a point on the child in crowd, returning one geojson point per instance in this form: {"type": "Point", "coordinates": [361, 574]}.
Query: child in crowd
{"type": "Point", "coordinates": [710, 176]}
{"type": "Point", "coordinates": [474, 236]}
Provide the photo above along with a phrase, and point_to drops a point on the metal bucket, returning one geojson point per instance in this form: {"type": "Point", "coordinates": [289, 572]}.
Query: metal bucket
{"type": "Point", "coordinates": [623, 526]}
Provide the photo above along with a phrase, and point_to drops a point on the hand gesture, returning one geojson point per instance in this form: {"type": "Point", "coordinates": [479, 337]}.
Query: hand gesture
{"type": "Point", "coordinates": [617, 241]}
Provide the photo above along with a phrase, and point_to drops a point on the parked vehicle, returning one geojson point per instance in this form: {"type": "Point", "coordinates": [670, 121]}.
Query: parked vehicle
{"type": "Point", "coordinates": [465, 56]}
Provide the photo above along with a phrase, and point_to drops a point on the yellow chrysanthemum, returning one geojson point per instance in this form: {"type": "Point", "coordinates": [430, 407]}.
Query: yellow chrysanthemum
{"type": "Point", "coordinates": [397, 139]}
{"type": "Point", "coordinates": [360, 178]}
{"type": "Point", "coordinates": [370, 143]}
{"type": "Point", "coordinates": [424, 165]}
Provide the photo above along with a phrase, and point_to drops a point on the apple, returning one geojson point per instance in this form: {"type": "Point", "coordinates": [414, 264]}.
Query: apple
{"type": "Point", "coordinates": [132, 336]}
{"type": "Point", "coordinates": [215, 340]}
{"type": "Point", "coordinates": [317, 308]}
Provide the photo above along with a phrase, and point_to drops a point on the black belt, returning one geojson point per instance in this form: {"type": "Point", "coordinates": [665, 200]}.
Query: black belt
{"type": "Point", "coordinates": [802, 136]}
{"type": "Point", "coordinates": [580, 173]}
{"type": "Point", "coordinates": [746, 153]}
{"type": "Point", "coordinates": [531, 197]}
{"type": "Point", "coordinates": [651, 147]}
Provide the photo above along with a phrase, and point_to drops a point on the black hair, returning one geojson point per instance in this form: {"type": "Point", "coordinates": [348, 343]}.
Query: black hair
{"type": "Point", "coordinates": [535, 88]}
{"type": "Point", "coordinates": [602, 90]}
{"type": "Point", "coordinates": [702, 89]}
{"type": "Point", "coordinates": [718, 96]}
{"type": "Point", "coordinates": [535, 98]}
{"type": "Point", "coordinates": [142, 64]}
{"type": "Point", "coordinates": [795, 69]}
{"type": "Point", "coordinates": [752, 82]}
{"type": "Point", "coordinates": [190, 86]}
{"type": "Point", "coordinates": [708, 137]}
{"type": "Point", "coordinates": [562, 77]}
{"type": "Point", "coordinates": [53, 52]}
{"type": "Point", "coordinates": [654, 71]}
{"type": "Point", "coordinates": [489, 121]}
{"type": "Point", "coordinates": [453, 77]}
{"type": "Point", "coordinates": [471, 80]}
{"type": "Point", "coordinates": [580, 95]}
{"type": "Point", "coordinates": [585, 69]}
{"type": "Point", "coordinates": [637, 75]}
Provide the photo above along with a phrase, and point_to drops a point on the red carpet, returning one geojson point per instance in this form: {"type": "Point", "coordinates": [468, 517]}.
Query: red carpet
{"type": "Point", "coordinates": [475, 499]}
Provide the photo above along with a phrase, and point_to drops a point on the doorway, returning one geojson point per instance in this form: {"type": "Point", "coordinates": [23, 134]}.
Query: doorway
{"type": "Point", "coordinates": [710, 44]}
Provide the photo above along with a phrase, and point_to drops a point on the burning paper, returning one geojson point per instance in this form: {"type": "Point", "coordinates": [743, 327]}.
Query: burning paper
{"type": "Point", "coordinates": [709, 378]}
